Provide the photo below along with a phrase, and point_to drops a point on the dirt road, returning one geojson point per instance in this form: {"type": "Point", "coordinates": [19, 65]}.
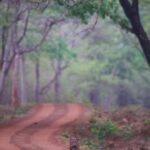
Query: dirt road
{"type": "Point", "coordinates": [39, 129]}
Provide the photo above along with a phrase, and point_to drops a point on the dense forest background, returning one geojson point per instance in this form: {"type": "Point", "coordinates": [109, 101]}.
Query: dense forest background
{"type": "Point", "coordinates": [49, 53]}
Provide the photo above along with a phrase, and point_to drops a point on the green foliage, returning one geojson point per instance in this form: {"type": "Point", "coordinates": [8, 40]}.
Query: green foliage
{"type": "Point", "coordinates": [105, 129]}
{"type": "Point", "coordinates": [59, 50]}
{"type": "Point", "coordinates": [107, 57]}
{"type": "Point", "coordinates": [84, 10]}
{"type": "Point", "coordinates": [105, 8]}
{"type": "Point", "coordinates": [6, 16]}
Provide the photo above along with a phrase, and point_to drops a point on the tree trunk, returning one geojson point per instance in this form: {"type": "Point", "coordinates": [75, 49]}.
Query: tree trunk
{"type": "Point", "coordinates": [4, 40]}
{"type": "Point", "coordinates": [4, 62]}
{"type": "Point", "coordinates": [3, 75]}
{"type": "Point", "coordinates": [142, 37]}
{"type": "Point", "coordinates": [132, 12]}
{"type": "Point", "coordinates": [14, 98]}
{"type": "Point", "coordinates": [57, 84]}
{"type": "Point", "coordinates": [23, 98]}
{"type": "Point", "coordinates": [37, 82]}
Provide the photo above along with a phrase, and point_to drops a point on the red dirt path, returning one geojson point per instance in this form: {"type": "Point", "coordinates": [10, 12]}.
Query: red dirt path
{"type": "Point", "coordinates": [38, 130]}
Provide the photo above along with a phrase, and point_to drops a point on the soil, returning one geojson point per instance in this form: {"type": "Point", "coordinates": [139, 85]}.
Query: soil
{"type": "Point", "coordinates": [39, 129]}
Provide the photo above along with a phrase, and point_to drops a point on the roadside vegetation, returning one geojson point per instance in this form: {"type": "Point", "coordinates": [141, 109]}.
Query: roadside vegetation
{"type": "Point", "coordinates": [8, 113]}
{"type": "Point", "coordinates": [127, 128]}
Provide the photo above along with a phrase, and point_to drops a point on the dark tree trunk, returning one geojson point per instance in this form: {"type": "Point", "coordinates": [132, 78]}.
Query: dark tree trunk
{"type": "Point", "coordinates": [94, 96]}
{"type": "Point", "coordinates": [14, 98]}
{"type": "Point", "coordinates": [3, 75]}
{"type": "Point", "coordinates": [132, 12]}
{"type": "Point", "coordinates": [37, 82]}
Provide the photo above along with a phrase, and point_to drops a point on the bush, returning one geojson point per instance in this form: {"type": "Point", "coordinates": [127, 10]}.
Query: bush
{"type": "Point", "coordinates": [104, 130]}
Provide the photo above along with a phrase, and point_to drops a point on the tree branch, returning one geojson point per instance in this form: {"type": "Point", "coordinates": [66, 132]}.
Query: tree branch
{"type": "Point", "coordinates": [25, 28]}
{"type": "Point", "coordinates": [89, 29]}
{"type": "Point", "coordinates": [64, 67]}
{"type": "Point", "coordinates": [47, 87]}
{"type": "Point", "coordinates": [48, 26]}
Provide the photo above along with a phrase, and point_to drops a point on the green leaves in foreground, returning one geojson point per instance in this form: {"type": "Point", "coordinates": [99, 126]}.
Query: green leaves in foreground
{"type": "Point", "coordinates": [84, 9]}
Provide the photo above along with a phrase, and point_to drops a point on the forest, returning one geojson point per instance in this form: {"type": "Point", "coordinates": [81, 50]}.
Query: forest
{"type": "Point", "coordinates": [94, 53]}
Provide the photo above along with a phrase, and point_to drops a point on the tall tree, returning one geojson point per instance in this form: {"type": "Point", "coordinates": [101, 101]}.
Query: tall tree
{"type": "Point", "coordinates": [110, 8]}
{"type": "Point", "coordinates": [14, 30]}
{"type": "Point", "coordinates": [131, 9]}
{"type": "Point", "coordinates": [60, 56]}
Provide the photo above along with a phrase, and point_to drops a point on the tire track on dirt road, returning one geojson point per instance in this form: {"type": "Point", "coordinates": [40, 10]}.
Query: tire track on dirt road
{"type": "Point", "coordinates": [39, 130]}
{"type": "Point", "coordinates": [50, 140]}
{"type": "Point", "coordinates": [8, 129]}
{"type": "Point", "coordinates": [23, 138]}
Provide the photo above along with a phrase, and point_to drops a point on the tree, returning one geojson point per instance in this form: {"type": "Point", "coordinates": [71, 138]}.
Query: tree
{"type": "Point", "coordinates": [15, 16]}
{"type": "Point", "coordinates": [60, 56]}
{"type": "Point", "coordinates": [131, 9]}
{"type": "Point", "coordinates": [6, 54]}
{"type": "Point", "coordinates": [110, 8]}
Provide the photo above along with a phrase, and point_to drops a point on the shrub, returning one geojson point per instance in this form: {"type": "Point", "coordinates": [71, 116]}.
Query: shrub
{"type": "Point", "coordinates": [104, 130]}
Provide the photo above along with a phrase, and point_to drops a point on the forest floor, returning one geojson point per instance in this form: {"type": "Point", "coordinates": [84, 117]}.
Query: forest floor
{"type": "Point", "coordinates": [54, 126]}
{"type": "Point", "coordinates": [40, 128]}
{"type": "Point", "coordinates": [122, 129]}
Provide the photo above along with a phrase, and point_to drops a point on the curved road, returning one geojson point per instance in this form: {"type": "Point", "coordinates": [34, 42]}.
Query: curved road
{"type": "Point", "coordinates": [38, 130]}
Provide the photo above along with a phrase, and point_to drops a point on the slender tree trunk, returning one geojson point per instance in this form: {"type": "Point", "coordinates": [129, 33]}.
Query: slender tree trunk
{"type": "Point", "coordinates": [23, 98]}
{"type": "Point", "coordinates": [6, 60]}
{"type": "Point", "coordinates": [57, 85]}
{"type": "Point", "coordinates": [14, 98]}
{"type": "Point", "coordinates": [3, 75]}
{"type": "Point", "coordinates": [4, 63]}
{"type": "Point", "coordinates": [131, 10]}
{"type": "Point", "coordinates": [4, 40]}
{"type": "Point", "coordinates": [37, 82]}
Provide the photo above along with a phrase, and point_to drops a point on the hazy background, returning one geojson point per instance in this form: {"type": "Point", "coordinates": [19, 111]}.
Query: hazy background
{"type": "Point", "coordinates": [97, 63]}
